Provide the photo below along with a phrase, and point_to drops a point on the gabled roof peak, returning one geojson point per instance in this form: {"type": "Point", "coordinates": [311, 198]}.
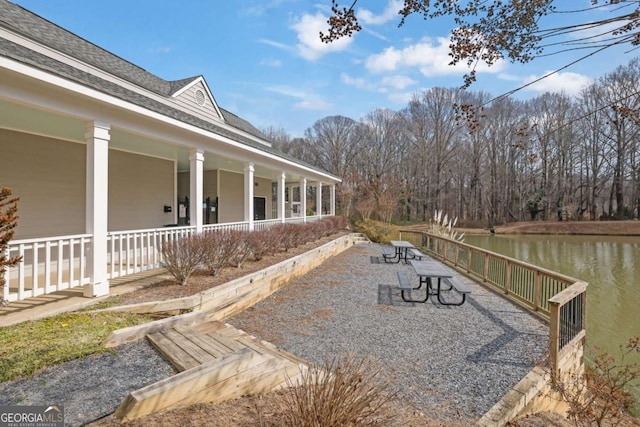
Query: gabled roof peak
{"type": "Point", "coordinates": [178, 85]}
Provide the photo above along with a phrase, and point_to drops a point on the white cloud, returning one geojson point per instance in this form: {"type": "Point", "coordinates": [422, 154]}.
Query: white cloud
{"type": "Point", "coordinates": [314, 104]}
{"type": "Point", "coordinates": [308, 28]}
{"type": "Point", "coordinates": [429, 56]}
{"type": "Point", "coordinates": [401, 98]}
{"type": "Point", "coordinates": [270, 62]}
{"type": "Point", "coordinates": [508, 77]}
{"type": "Point", "coordinates": [597, 32]}
{"type": "Point", "coordinates": [390, 13]}
{"type": "Point", "coordinates": [360, 83]}
{"type": "Point", "coordinates": [376, 34]}
{"type": "Point", "coordinates": [261, 8]}
{"type": "Point", "coordinates": [569, 83]}
{"type": "Point", "coordinates": [276, 44]}
{"type": "Point", "coordinates": [398, 81]}
{"type": "Point", "coordinates": [308, 101]}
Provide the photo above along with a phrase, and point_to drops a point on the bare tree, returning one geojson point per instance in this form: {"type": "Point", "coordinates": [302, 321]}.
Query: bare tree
{"type": "Point", "coordinates": [380, 156]}
{"type": "Point", "coordinates": [621, 91]}
{"type": "Point", "coordinates": [334, 143]}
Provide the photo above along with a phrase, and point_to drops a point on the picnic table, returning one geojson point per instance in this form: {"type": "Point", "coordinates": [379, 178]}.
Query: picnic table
{"type": "Point", "coordinates": [428, 270]}
{"type": "Point", "coordinates": [402, 249]}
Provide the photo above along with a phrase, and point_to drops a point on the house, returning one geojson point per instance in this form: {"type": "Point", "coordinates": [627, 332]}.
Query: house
{"type": "Point", "coordinates": [109, 161]}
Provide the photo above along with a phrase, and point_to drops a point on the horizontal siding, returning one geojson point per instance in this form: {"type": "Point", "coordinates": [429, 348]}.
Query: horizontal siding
{"type": "Point", "coordinates": [186, 101]}
{"type": "Point", "coordinates": [49, 177]}
{"type": "Point", "coordinates": [231, 199]}
{"type": "Point", "coordinates": [139, 188]}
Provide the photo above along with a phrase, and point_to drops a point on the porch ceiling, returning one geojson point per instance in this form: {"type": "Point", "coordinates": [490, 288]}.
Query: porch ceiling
{"type": "Point", "coordinates": [40, 122]}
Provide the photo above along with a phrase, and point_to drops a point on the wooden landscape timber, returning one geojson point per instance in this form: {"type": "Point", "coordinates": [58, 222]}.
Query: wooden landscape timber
{"type": "Point", "coordinates": [217, 363]}
{"type": "Point", "coordinates": [137, 332]}
{"type": "Point", "coordinates": [224, 301]}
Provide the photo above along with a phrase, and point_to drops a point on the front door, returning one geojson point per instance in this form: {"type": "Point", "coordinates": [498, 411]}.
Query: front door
{"type": "Point", "coordinates": [259, 208]}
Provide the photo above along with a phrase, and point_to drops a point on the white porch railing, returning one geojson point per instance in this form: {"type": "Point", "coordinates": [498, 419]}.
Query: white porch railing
{"type": "Point", "coordinates": [48, 265]}
{"type": "Point", "coordinates": [139, 250]}
{"type": "Point", "coordinates": [264, 224]}
{"type": "Point", "coordinates": [53, 264]}
{"type": "Point", "coordinates": [295, 220]}
{"type": "Point", "coordinates": [227, 226]}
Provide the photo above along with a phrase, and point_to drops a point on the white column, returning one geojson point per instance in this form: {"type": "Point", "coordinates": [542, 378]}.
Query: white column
{"type": "Point", "coordinates": [97, 206]}
{"type": "Point", "coordinates": [248, 194]}
{"type": "Point", "coordinates": [282, 182]}
{"type": "Point", "coordinates": [332, 200]}
{"type": "Point", "coordinates": [303, 198]}
{"type": "Point", "coordinates": [319, 200]}
{"type": "Point", "coordinates": [196, 174]}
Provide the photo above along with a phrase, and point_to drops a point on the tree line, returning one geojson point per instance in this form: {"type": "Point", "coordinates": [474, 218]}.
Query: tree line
{"type": "Point", "coordinates": [487, 161]}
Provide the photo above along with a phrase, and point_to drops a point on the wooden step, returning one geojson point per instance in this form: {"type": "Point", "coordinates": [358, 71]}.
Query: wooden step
{"type": "Point", "coordinates": [188, 346]}
{"type": "Point", "coordinates": [217, 363]}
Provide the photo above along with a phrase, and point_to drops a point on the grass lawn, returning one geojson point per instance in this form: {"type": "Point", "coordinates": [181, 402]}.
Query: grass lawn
{"type": "Point", "coordinates": [30, 346]}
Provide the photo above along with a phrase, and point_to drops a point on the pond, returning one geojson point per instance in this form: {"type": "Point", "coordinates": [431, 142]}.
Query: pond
{"type": "Point", "coordinates": [611, 265]}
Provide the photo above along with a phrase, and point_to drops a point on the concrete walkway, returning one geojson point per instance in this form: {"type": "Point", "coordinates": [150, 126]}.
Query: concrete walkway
{"type": "Point", "coordinates": [73, 299]}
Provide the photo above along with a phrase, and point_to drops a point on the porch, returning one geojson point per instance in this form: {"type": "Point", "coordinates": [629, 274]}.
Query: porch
{"type": "Point", "coordinates": [98, 198]}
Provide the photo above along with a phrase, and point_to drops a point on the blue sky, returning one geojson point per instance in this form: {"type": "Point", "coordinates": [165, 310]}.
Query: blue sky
{"type": "Point", "coordinates": [263, 60]}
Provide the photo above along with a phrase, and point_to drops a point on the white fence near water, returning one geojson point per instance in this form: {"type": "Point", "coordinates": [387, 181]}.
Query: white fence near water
{"type": "Point", "coordinates": [53, 264]}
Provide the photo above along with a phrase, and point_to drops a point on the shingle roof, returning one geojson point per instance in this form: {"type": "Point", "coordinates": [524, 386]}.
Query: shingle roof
{"type": "Point", "coordinates": [176, 85]}
{"type": "Point", "coordinates": [49, 34]}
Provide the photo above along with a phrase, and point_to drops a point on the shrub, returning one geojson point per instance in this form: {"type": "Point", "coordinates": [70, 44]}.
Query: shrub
{"type": "Point", "coordinates": [289, 235]}
{"type": "Point", "coordinates": [263, 242]}
{"type": "Point", "coordinates": [8, 222]}
{"type": "Point", "coordinates": [376, 231]}
{"type": "Point", "coordinates": [338, 223]}
{"type": "Point", "coordinates": [239, 247]}
{"type": "Point", "coordinates": [343, 392]}
{"type": "Point", "coordinates": [601, 395]}
{"type": "Point", "coordinates": [183, 257]}
{"type": "Point", "coordinates": [217, 250]}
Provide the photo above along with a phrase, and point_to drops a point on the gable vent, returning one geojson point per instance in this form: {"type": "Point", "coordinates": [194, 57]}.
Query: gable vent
{"type": "Point", "coordinates": [201, 99]}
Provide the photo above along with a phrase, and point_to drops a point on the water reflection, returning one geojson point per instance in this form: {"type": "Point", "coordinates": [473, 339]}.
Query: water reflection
{"type": "Point", "coordinates": [610, 264]}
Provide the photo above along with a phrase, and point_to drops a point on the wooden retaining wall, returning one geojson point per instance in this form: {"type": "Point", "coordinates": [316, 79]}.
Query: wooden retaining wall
{"type": "Point", "coordinates": [237, 295]}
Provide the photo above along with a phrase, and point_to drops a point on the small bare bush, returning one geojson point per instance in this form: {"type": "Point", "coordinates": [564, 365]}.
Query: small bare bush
{"type": "Point", "coordinates": [8, 222]}
{"type": "Point", "coordinates": [183, 257]}
{"type": "Point", "coordinates": [288, 235]}
{"type": "Point", "coordinates": [601, 395]}
{"type": "Point", "coordinates": [263, 242]}
{"type": "Point", "coordinates": [239, 247]}
{"type": "Point", "coordinates": [347, 391]}
{"type": "Point", "coordinates": [217, 250]}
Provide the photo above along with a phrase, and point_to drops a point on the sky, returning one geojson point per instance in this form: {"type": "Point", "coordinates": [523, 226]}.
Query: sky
{"type": "Point", "coordinates": [263, 59]}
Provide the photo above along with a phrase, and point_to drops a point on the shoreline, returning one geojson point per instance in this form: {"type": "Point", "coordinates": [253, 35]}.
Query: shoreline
{"type": "Point", "coordinates": [586, 228]}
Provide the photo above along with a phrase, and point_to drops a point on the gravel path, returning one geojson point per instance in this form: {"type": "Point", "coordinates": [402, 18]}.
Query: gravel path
{"type": "Point", "coordinates": [452, 363]}
{"type": "Point", "coordinates": [91, 387]}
